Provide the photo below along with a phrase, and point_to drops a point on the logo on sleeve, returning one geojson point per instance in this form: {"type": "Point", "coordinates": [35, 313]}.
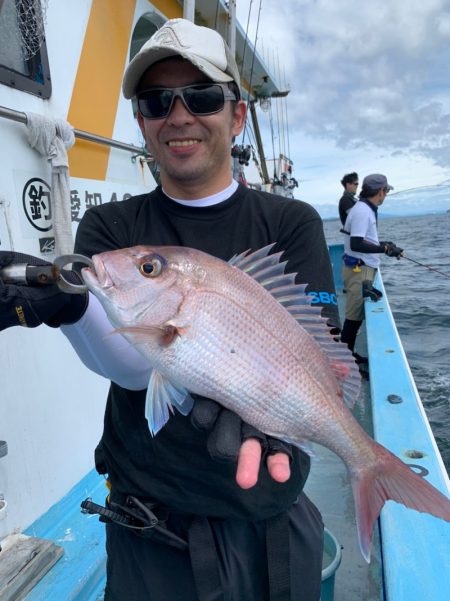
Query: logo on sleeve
{"type": "Point", "coordinates": [323, 298]}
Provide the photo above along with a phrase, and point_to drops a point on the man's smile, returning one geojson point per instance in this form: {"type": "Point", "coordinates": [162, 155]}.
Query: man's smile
{"type": "Point", "coordinates": [182, 143]}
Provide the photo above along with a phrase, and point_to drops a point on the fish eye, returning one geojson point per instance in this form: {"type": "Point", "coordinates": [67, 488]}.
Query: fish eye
{"type": "Point", "coordinates": [151, 268]}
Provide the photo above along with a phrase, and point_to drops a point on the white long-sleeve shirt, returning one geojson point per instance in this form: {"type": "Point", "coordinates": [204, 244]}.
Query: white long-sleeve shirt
{"type": "Point", "coordinates": [107, 354]}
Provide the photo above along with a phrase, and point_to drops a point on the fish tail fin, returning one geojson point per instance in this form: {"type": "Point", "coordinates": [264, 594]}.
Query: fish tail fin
{"type": "Point", "coordinates": [390, 478]}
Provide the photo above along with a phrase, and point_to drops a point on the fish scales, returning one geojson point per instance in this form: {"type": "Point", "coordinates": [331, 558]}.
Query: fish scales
{"type": "Point", "coordinates": [263, 377]}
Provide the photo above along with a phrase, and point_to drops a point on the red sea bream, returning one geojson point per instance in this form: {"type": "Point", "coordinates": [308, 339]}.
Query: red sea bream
{"type": "Point", "coordinates": [244, 334]}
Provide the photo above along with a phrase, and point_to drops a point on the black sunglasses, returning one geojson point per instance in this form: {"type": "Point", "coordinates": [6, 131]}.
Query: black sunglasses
{"type": "Point", "coordinates": [199, 99]}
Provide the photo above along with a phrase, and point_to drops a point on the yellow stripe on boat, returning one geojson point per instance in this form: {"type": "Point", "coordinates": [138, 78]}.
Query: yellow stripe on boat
{"type": "Point", "coordinates": [97, 86]}
{"type": "Point", "coordinates": [170, 8]}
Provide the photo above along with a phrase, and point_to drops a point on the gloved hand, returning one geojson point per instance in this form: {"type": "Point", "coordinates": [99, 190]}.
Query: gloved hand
{"type": "Point", "coordinates": [228, 431]}
{"type": "Point", "coordinates": [368, 291]}
{"type": "Point", "coordinates": [30, 306]}
{"type": "Point", "coordinates": [393, 251]}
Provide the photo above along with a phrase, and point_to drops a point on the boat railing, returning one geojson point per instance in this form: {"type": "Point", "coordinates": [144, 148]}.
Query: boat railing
{"type": "Point", "coordinates": [21, 117]}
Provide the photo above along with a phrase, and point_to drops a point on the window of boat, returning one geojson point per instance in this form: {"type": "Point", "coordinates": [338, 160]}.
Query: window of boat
{"type": "Point", "coordinates": [23, 53]}
{"type": "Point", "coordinates": [144, 29]}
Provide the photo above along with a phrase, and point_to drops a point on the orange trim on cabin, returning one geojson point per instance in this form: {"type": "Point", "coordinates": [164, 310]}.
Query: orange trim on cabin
{"type": "Point", "coordinates": [98, 82]}
{"type": "Point", "coordinates": [170, 8]}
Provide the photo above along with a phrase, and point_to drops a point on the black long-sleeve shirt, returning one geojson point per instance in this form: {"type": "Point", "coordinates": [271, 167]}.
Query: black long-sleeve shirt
{"type": "Point", "coordinates": [175, 467]}
{"type": "Point", "coordinates": [346, 202]}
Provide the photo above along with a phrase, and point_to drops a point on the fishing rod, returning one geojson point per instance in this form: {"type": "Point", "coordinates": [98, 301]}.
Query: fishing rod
{"type": "Point", "coordinates": [446, 275]}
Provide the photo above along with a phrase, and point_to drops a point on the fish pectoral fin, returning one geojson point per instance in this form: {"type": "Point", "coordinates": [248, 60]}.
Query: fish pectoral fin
{"type": "Point", "coordinates": [163, 334]}
{"type": "Point", "coordinates": [161, 397]}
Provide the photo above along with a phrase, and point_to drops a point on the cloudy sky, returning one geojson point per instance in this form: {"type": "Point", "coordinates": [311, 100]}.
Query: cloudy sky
{"type": "Point", "coordinates": [370, 88]}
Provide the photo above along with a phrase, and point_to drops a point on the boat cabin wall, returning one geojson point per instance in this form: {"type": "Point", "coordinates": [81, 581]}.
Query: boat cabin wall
{"type": "Point", "coordinates": [51, 406]}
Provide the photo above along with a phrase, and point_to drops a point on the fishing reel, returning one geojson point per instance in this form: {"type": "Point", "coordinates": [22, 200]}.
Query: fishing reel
{"type": "Point", "coordinates": [242, 153]}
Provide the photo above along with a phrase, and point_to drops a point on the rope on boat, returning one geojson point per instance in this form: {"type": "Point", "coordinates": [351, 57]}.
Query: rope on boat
{"type": "Point", "coordinates": [253, 64]}
{"type": "Point", "coordinates": [216, 20]}
{"type": "Point", "coordinates": [246, 37]}
{"type": "Point", "coordinates": [273, 141]}
{"type": "Point", "coordinates": [282, 119]}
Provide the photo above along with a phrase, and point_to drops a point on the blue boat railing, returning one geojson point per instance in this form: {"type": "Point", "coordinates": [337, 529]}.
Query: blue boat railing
{"type": "Point", "coordinates": [415, 546]}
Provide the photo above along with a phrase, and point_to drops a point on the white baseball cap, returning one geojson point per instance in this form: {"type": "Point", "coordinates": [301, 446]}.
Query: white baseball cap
{"type": "Point", "coordinates": [203, 47]}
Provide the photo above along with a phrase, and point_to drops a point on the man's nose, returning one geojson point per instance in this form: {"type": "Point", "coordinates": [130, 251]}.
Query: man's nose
{"type": "Point", "coordinates": [179, 113]}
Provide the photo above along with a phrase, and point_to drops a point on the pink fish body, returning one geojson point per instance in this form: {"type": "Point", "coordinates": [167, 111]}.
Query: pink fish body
{"type": "Point", "coordinates": [242, 333]}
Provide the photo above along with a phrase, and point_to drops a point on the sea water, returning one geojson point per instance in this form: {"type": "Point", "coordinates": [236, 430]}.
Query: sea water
{"type": "Point", "coordinates": [420, 302]}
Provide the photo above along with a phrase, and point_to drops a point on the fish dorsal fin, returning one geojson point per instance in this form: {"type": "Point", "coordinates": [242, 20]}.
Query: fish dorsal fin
{"type": "Point", "coordinates": [161, 397]}
{"type": "Point", "coordinates": [268, 271]}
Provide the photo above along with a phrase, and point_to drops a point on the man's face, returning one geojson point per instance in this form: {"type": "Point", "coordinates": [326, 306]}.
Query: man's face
{"type": "Point", "coordinates": [352, 187]}
{"type": "Point", "coordinates": [193, 152]}
{"type": "Point", "coordinates": [382, 195]}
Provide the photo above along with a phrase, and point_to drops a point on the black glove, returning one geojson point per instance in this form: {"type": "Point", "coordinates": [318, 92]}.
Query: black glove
{"type": "Point", "coordinates": [368, 291]}
{"type": "Point", "coordinates": [30, 306]}
{"type": "Point", "coordinates": [228, 431]}
{"type": "Point", "coordinates": [392, 251]}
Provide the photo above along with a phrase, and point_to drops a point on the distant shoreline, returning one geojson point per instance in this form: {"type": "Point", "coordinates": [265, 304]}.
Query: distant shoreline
{"type": "Point", "coordinates": [395, 215]}
{"type": "Point", "coordinates": [415, 202]}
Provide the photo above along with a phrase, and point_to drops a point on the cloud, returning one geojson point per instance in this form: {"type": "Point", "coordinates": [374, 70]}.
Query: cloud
{"type": "Point", "coordinates": [363, 75]}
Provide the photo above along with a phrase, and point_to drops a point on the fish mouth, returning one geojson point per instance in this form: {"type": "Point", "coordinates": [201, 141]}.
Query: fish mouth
{"type": "Point", "coordinates": [97, 276]}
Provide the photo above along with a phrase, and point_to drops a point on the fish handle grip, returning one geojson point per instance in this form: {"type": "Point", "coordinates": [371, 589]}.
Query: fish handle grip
{"type": "Point", "coordinates": [47, 274]}
{"type": "Point", "coordinates": [31, 294]}
{"type": "Point", "coordinates": [30, 275]}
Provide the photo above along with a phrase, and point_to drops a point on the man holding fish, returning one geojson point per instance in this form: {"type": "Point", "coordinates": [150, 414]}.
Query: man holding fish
{"type": "Point", "coordinates": [203, 319]}
{"type": "Point", "coordinates": [189, 109]}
